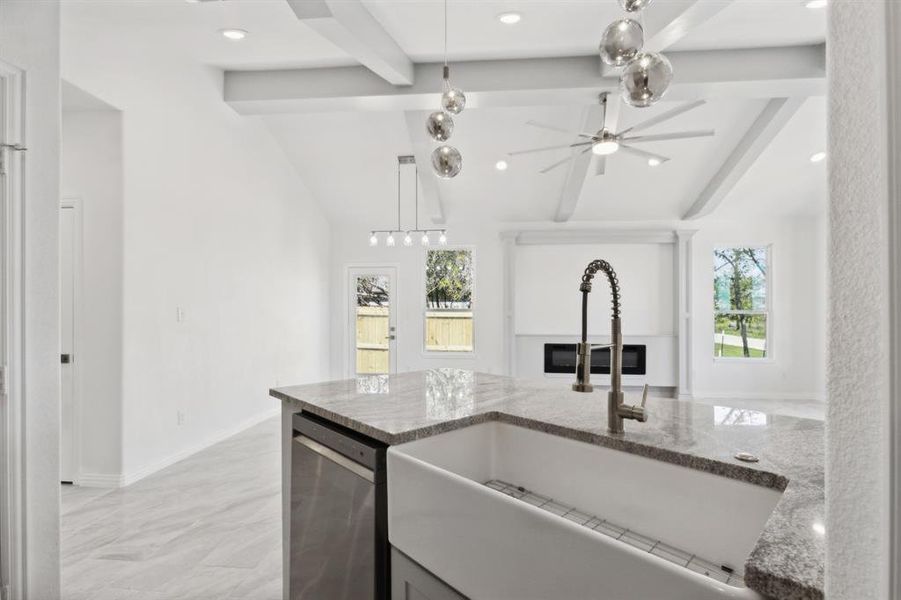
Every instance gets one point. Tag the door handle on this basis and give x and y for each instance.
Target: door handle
(65, 359)
(392, 337)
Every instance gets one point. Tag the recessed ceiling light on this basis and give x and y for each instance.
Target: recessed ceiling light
(653, 162)
(819, 528)
(233, 34)
(817, 157)
(501, 165)
(815, 3)
(509, 18)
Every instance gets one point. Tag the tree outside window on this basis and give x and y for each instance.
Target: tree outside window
(741, 302)
(448, 291)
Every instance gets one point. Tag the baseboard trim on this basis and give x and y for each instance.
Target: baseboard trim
(100, 480)
(115, 480)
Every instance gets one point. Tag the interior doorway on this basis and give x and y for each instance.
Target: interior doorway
(372, 318)
(68, 262)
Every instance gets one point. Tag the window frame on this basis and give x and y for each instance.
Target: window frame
(767, 312)
(423, 304)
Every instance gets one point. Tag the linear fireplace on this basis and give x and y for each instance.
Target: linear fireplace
(561, 358)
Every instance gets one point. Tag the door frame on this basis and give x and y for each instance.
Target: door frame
(12, 335)
(75, 204)
(350, 323)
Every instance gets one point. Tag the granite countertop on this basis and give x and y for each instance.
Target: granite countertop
(789, 558)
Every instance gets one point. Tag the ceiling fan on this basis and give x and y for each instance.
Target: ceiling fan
(606, 142)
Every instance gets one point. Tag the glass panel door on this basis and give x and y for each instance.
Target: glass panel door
(372, 321)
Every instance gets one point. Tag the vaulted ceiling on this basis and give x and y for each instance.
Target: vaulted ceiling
(755, 62)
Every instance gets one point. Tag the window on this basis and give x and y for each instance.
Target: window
(448, 301)
(740, 302)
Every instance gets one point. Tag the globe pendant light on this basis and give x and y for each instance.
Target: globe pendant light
(646, 76)
(452, 99)
(440, 126)
(645, 80)
(447, 161)
(621, 42)
(634, 5)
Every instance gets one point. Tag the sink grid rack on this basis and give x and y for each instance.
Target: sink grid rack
(720, 573)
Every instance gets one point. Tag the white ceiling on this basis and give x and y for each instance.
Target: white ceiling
(349, 160)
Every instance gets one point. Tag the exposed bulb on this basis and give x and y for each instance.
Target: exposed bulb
(408, 241)
(442, 239)
(424, 240)
(389, 241)
(373, 240)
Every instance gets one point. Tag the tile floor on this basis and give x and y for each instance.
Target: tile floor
(207, 527)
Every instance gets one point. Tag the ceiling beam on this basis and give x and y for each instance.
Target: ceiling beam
(669, 22)
(422, 151)
(350, 26)
(749, 73)
(578, 166)
(768, 124)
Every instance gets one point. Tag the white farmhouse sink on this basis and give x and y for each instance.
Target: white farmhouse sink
(491, 546)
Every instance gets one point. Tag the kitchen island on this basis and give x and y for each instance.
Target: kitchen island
(788, 559)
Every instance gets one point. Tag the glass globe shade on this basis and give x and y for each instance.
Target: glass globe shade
(389, 241)
(373, 240)
(453, 100)
(408, 241)
(621, 42)
(424, 240)
(440, 126)
(446, 161)
(645, 79)
(442, 239)
(634, 5)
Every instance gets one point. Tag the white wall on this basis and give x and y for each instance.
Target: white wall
(549, 276)
(218, 228)
(29, 39)
(350, 247)
(91, 175)
(794, 368)
(857, 421)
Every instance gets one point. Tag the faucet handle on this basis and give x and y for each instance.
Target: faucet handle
(638, 413)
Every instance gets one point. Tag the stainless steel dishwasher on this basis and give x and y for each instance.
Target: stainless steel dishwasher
(339, 514)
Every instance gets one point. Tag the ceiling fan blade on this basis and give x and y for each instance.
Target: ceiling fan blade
(642, 153)
(560, 162)
(659, 137)
(600, 165)
(664, 117)
(548, 148)
(560, 129)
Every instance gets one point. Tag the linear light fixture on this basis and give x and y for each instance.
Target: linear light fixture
(425, 239)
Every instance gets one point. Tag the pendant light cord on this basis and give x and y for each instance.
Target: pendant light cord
(445, 33)
(398, 196)
(416, 192)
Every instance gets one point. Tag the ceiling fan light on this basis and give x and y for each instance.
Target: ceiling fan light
(605, 148)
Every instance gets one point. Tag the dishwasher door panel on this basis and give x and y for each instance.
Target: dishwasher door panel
(333, 533)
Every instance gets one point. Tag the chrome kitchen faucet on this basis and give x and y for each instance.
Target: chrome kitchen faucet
(617, 410)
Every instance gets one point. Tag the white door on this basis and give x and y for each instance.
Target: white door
(67, 343)
(372, 320)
